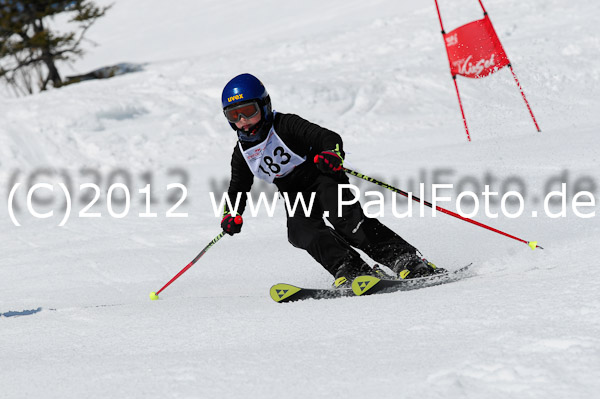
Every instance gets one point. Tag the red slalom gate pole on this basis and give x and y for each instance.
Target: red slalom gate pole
(154, 295)
(514, 76)
(462, 112)
(524, 98)
(531, 244)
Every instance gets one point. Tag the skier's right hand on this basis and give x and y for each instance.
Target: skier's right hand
(232, 224)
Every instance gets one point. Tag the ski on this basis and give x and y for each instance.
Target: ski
(290, 293)
(368, 285)
(364, 285)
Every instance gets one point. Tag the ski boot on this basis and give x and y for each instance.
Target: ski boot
(378, 272)
(349, 269)
(409, 266)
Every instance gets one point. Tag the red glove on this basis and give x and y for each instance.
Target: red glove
(329, 161)
(232, 225)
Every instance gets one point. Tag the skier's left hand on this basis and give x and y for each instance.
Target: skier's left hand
(329, 161)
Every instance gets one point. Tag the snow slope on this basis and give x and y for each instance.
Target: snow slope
(525, 326)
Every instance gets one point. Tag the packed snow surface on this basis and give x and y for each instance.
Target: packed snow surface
(76, 320)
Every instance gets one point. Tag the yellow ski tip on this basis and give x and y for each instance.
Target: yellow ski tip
(532, 244)
(280, 292)
(153, 296)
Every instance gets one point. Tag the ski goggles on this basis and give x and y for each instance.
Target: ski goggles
(247, 110)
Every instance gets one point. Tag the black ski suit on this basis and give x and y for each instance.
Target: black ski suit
(332, 248)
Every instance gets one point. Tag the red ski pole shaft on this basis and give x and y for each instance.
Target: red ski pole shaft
(213, 242)
(531, 244)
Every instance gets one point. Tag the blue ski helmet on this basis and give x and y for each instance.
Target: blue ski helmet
(246, 88)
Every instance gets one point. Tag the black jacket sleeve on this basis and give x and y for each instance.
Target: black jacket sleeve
(241, 181)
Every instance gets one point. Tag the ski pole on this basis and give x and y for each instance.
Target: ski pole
(532, 244)
(154, 295)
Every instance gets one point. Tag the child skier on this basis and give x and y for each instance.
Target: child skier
(301, 158)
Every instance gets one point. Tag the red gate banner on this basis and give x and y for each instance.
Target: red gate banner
(474, 50)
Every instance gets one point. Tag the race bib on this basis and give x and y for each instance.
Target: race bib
(271, 159)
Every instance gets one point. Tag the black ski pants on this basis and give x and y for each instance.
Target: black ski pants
(331, 247)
